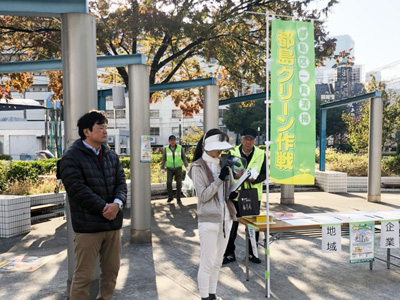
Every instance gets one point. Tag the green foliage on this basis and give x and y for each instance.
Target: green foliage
(243, 115)
(350, 163)
(156, 158)
(192, 136)
(262, 147)
(177, 38)
(358, 123)
(189, 153)
(21, 177)
(3, 178)
(127, 173)
(125, 162)
(358, 128)
(5, 157)
(391, 166)
(21, 171)
(357, 164)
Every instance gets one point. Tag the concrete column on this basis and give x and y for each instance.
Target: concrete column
(211, 107)
(287, 194)
(79, 69)
(139, 124)
(375, 150)
(6, 144)
(78, 37)
(117, 143)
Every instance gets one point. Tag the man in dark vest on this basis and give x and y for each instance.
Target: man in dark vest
(173, 158)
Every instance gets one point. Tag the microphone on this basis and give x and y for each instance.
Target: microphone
(233, 161)
(237, 164)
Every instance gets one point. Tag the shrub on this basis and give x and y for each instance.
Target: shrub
(23, 177)
(127, 172)
(125, 162)
(357, 164)
(26, 187)
(24, 171)
(3, 178)
(391, 166)
(155, 167)
(21, 171)
(5, 157)
(156, 158)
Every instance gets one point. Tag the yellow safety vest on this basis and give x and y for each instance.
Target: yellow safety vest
(256, 161)
(173, 161)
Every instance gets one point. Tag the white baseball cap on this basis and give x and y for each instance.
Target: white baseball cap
(214, 143)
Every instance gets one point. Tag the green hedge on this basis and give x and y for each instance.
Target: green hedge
(352, 164)
(12, 171)
(356, 164)
(5, 157)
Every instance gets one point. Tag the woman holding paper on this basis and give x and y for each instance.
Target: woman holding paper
(215, 210)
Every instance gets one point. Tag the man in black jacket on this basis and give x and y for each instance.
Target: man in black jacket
(95, 183)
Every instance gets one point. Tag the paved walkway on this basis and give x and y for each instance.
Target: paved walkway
(166, 269)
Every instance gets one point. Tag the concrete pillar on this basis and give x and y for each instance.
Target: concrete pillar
(117, 142)
(211, 107)
(6, 144)
(78, 37)
(375, 149)
(139, 125)
(287, 194)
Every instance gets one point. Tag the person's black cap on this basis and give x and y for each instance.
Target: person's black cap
(250, 132)
(172, 137)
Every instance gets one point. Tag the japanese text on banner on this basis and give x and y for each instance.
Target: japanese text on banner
(293, 103)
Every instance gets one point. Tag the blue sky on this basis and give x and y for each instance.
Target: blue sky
(374, 26)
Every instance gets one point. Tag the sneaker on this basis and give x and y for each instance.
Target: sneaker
(229, 258)
(179, 202)
(169, 200)
(254, 260)
(215, 298)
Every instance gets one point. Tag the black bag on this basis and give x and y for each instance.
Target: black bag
(248, 203)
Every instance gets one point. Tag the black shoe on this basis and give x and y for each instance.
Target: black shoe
(214, 297)
(179, 202)
(254, 260)
(169, 200)
(229, 258)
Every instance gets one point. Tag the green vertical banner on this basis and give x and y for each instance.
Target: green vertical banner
(293, 103)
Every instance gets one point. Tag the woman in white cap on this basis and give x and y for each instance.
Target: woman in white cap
(215, 210)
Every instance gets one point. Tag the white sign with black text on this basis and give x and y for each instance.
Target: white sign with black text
(331, 238)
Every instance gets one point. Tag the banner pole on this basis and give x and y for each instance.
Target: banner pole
(267, 143)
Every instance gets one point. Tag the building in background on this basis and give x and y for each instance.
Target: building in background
(24, 129)
(165, 119)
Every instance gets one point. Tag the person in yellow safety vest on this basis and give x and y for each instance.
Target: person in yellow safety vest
(172, 159)
(255, 158)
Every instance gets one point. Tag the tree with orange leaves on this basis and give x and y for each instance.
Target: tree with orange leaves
(181, 39)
